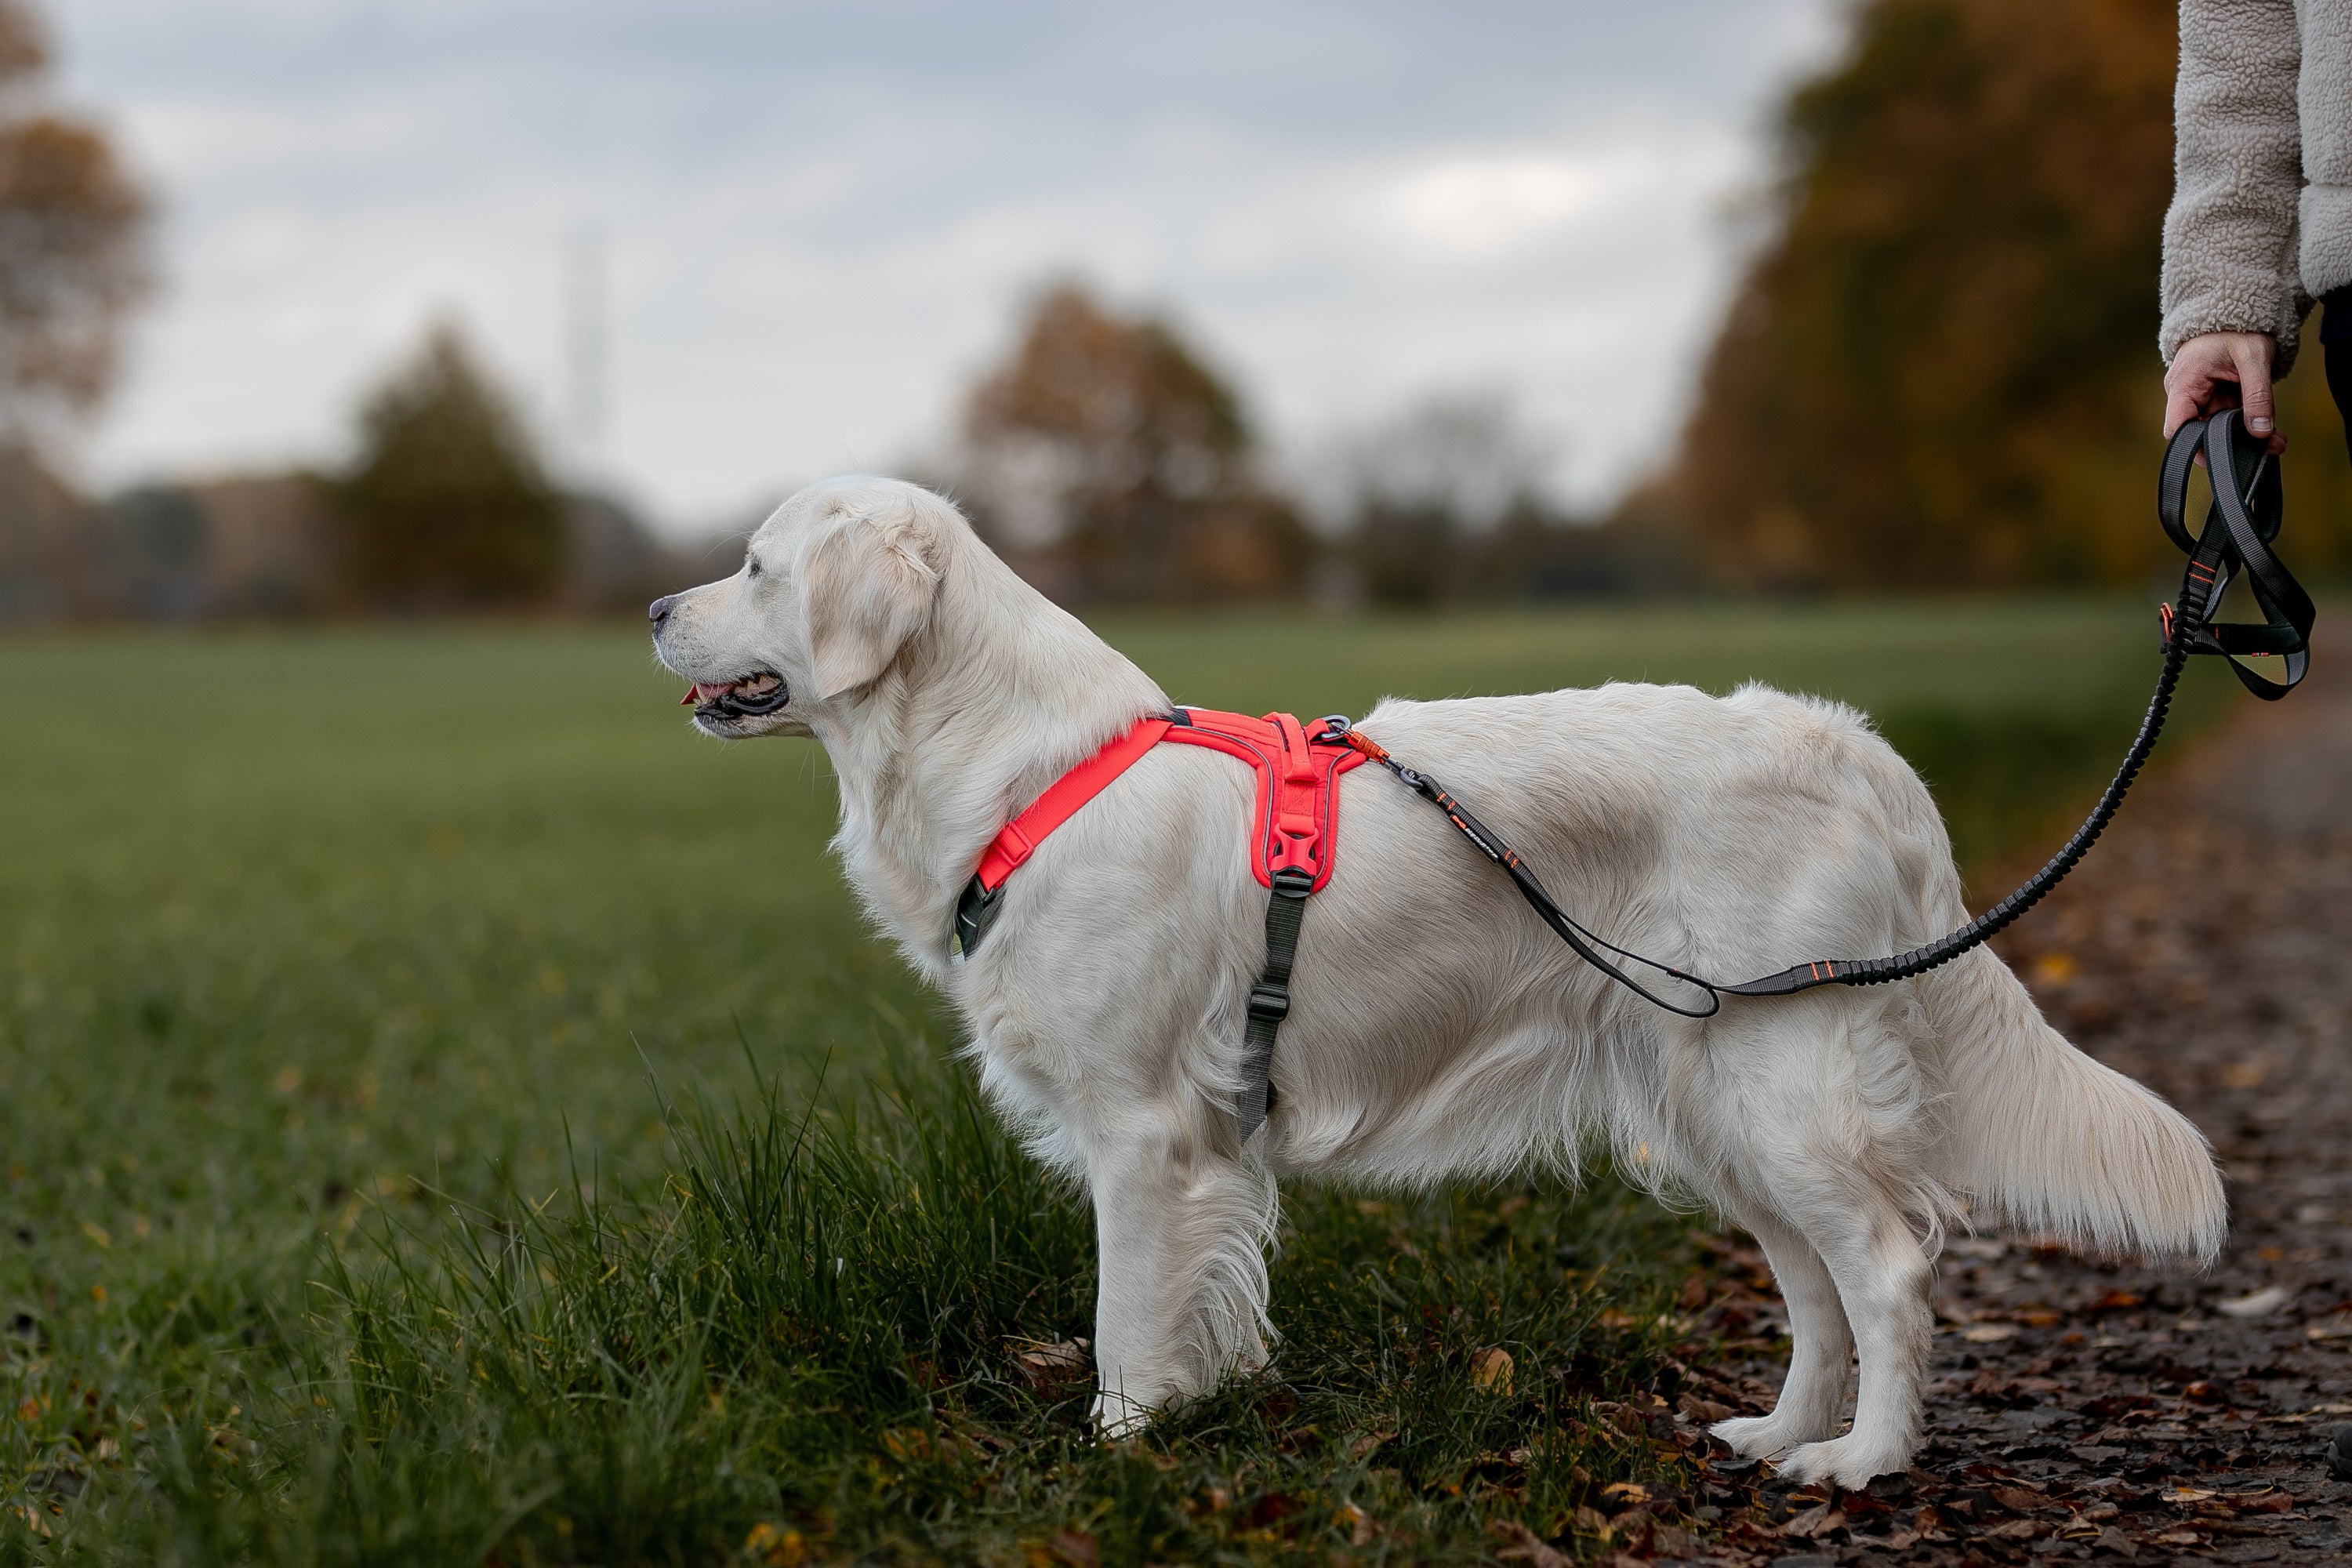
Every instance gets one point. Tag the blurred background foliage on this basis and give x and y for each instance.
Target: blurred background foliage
(1940, 371)
(1937, 373)
(448, 505)
(1117, 466)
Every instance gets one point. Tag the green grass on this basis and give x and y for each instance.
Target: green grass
(343, 1220)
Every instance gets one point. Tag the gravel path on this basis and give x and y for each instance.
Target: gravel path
(2085, 1411)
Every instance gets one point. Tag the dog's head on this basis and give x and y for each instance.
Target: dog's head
(832, 587)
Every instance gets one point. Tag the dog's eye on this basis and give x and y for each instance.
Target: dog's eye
(751, 568)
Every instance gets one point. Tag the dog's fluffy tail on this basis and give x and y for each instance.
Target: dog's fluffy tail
(2040, 1135)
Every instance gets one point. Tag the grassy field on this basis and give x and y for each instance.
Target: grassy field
(453, 1114)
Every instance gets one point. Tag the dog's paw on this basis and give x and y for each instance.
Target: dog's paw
(1840, 1460)
(1115, 1417)
(1754, 1437)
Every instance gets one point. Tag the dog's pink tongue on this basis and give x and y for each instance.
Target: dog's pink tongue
(693, 695)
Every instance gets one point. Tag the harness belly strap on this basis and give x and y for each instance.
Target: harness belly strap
(1291, 848)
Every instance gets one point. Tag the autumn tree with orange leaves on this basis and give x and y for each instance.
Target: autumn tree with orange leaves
(73, 229)
(1111, 465)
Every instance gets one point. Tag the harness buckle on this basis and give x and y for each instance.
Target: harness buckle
(1270, 1003)
(975, 912)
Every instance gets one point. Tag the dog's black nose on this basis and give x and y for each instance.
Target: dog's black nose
(658, 611)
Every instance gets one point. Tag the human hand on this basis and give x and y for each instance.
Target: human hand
(2211, 372)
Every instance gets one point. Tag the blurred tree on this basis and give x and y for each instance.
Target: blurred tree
(1428, 492)
(446, 504)
(1111, 465)
(73, 229)
(1940, 371)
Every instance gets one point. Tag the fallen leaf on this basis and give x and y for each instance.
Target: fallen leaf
(1988, 1334)
(2261, 1303)
(1052, 1367)
(1490, 1369)
(1518, 1543)
(904, 1443)
(1814, 1522)
(1076, 1547)
(773, 1546)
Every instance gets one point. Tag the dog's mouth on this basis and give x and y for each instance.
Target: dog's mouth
(752, 696)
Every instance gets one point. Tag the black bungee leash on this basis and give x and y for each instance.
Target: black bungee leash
(2244, 519)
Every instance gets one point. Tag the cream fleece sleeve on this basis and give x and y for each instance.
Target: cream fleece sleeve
(2229, 241)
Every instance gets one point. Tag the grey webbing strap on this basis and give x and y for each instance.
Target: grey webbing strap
(1270, 999)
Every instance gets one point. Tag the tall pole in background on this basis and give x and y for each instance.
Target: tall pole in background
(586, 410)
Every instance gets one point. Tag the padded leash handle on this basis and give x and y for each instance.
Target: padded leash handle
(2244, 518)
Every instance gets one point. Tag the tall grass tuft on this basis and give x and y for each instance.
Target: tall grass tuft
(852, 1327)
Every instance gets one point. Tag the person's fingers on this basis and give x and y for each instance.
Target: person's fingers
(2180, 405)
(2254, 388)
(2179, 410)
(2191, 380)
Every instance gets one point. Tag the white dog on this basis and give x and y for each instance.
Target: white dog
(1437, 1030)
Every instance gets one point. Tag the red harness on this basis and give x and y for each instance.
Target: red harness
(1291, 846)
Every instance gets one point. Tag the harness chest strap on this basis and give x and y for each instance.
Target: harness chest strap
(1290, 848)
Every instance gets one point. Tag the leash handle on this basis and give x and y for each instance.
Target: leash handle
(2246, 513)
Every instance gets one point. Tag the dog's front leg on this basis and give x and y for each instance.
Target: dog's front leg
(1181, 1232)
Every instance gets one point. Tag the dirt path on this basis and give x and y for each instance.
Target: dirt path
(2080, 1411)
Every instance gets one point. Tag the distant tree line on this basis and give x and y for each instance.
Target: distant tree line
(1937, 372)
(445, 506)
(1111, 464)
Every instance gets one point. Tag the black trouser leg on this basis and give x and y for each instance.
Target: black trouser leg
(2340, 382)
(2336, 345)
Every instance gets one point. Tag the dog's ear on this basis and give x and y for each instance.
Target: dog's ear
(867, 585)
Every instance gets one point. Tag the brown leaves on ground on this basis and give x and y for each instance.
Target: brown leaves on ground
(1055, 1368)
(1515, 1543)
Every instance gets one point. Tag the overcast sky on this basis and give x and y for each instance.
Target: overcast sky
(818, 220)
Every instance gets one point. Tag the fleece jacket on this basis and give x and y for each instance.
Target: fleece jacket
(2261, 221)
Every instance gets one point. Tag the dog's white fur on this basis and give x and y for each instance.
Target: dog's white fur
(1436, 1028)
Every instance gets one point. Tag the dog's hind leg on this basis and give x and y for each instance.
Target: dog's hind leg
(1181, 1232)
(1884, 1279)
(1813, 1397)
